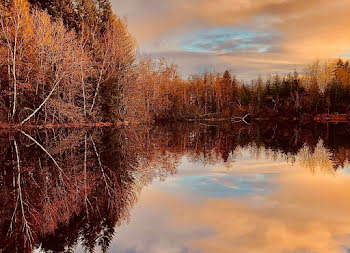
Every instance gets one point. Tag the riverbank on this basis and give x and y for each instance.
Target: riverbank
(305, 118)
(73, 125)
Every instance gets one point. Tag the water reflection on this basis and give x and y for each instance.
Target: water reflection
(63, 188)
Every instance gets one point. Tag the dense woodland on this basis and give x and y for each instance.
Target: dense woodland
(323, 88)
(75, 61)
(60, 58)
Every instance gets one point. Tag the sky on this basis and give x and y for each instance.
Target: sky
(247, 37)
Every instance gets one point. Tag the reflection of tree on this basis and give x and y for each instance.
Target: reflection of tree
(317, 159)
(62, 187)
(318, 146)
(340, 158)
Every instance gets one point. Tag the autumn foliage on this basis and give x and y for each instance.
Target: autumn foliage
(50, 73)
(321, 91)
(74, 61)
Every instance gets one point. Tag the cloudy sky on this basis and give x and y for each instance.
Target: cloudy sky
(248, 37)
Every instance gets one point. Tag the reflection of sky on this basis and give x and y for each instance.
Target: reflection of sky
(227, 185)
(244, 177)
(347, 169)
(247, 206)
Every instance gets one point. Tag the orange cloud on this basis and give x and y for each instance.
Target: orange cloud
(310, 29)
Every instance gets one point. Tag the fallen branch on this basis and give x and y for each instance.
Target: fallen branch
(44, 102)
(241, 119)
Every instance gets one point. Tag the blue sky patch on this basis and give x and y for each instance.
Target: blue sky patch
(227, 40)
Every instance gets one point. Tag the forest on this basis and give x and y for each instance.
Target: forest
(65, 62)
(60, 58)
(321, 93)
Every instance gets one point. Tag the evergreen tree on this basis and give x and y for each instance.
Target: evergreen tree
(87, 13)
(105, 10)
(94, 13)
(59, 9)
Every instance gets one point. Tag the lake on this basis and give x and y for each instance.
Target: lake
(192, 187)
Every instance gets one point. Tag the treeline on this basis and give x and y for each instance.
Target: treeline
(62, 61)
(323, 88)
(74, 61)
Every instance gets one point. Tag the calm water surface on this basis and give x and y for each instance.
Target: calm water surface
(178, 188)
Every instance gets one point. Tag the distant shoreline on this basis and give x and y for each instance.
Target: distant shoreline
(319, 118)
(305, 118)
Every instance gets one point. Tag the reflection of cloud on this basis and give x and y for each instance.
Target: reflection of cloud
(242, 177)
(222, 186)
(150, 231)
(306, 32)
(308, 213)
